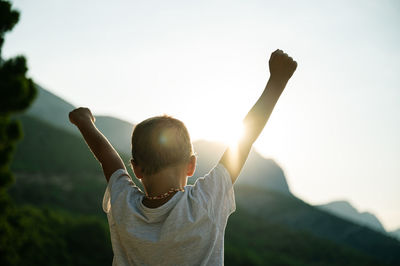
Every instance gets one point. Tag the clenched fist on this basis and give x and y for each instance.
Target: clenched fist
(281, 67)
(81, 116)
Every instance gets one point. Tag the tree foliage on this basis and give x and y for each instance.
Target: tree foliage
(16, 94)
(8, 19)
(30, 235)
(39, 236)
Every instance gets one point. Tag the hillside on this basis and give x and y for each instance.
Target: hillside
(257, 171)
(395, 234)
(54, 110)
(345, 210)
(53, 169)
(250, 240)
(48, 149)
(290, 211)
(51, 109)
(117, 131)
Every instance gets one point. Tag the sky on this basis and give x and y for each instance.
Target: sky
(335, 130)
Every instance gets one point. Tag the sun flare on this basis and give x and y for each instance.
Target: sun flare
(233, 135)
(228, 133)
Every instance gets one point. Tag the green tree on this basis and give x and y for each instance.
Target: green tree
(31, 235)
(16, 94)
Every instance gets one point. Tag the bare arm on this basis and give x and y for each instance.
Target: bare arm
(282, 68)
(97, 142)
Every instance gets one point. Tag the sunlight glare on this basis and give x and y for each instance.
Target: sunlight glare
(233, 135)
(227, 133)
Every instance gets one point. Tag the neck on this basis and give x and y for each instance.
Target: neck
(165, 180)
(156, 203)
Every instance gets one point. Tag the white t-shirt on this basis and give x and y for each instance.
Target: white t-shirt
(187, 230)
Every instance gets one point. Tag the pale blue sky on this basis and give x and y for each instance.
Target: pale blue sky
(336, 128)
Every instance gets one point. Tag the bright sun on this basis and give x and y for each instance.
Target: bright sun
(233, 134)
(228, 133)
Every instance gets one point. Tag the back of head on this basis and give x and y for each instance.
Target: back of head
(160, 142)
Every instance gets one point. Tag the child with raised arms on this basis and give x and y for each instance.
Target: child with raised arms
(170, 222)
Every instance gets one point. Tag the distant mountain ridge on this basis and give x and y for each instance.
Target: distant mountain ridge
(257, 172)
(54, 110)
(395, 234)
(296, 214)
(51, 109)
(345, 210)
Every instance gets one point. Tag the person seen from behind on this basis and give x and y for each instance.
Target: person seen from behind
(170, 222)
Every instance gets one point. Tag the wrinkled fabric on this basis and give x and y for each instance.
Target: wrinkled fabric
(187, 230)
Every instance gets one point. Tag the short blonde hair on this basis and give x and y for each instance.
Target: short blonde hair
(159, 142)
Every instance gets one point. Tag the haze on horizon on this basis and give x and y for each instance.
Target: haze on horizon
(335, 129)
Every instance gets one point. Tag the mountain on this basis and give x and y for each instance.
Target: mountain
(345, 210)
(54, 110)
(117, 131)
(250, 240)
(257, 171)
(395, 234)
(296, 214)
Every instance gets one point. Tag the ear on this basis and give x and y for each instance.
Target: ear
(137, 170)
(191, 166)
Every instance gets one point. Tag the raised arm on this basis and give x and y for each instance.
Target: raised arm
(102, 149)
(281, 68)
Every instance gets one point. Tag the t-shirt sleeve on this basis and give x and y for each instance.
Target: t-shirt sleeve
(215, 192)
(119, 182)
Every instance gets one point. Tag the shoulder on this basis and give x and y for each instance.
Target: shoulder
(120, 179)
(119, 174)
(120, 184)
(215, 192)
(214, 185)
(218, 176)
